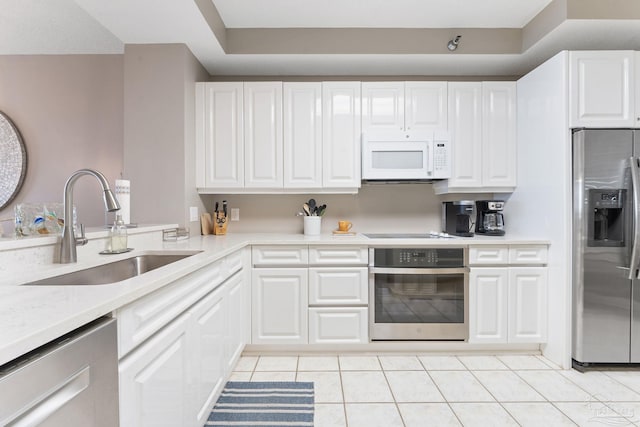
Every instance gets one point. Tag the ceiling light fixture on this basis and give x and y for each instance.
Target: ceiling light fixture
(453, 43)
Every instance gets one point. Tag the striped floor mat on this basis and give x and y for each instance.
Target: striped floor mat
(264, 404)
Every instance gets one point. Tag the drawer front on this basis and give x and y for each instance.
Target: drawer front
(488, 255)
(534, 254)
(338, 286)
(338, 255)
(263, 256)
(340, 325)
(142, 318)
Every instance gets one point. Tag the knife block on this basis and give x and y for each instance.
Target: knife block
(219, 223)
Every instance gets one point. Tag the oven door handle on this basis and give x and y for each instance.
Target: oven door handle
(457, 270)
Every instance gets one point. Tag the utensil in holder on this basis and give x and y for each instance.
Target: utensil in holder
(312, 225)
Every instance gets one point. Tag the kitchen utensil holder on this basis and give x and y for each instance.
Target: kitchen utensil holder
(220, 221)
(312, 225)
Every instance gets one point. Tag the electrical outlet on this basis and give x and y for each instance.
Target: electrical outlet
(193, 214)
(235, 214)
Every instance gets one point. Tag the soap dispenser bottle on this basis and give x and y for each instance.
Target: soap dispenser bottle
(118, 235)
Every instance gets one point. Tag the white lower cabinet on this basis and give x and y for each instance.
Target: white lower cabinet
(279, 306)
(488, 304)
(528, 300)
(508, 294)
(338, 325)
(207, 358)
(173, 377)
(508, 304)
(153, 380)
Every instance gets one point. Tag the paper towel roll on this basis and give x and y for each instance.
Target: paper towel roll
(123, 194)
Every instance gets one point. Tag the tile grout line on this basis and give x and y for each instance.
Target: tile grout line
(440, 391)
(395, 402)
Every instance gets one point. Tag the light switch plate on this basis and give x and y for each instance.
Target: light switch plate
(193, 213)
(235, 214)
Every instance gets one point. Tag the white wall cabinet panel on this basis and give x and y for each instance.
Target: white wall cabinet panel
(302, 135)
(341, 325)
(209, 326)
(527, 304)
(279, 306)
(219, 135)
(465, 131)
(498, 134)
(382, 106)
(263, 134)
(488, 305)
(602, 88)
(338, 286)
(425, 105)
(341, 129)
(153, 380)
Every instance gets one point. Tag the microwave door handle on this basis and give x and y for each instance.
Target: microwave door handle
(635, 251)
(429, 160)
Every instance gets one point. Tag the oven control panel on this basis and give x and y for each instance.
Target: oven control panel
(418, 257)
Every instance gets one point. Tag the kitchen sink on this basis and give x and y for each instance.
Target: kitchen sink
(116, 271)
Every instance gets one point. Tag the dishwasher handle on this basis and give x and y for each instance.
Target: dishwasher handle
(414, 271)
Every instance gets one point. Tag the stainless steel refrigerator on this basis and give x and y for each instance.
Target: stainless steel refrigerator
(606, 252)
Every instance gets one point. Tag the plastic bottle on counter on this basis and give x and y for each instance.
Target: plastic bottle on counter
(118, 235)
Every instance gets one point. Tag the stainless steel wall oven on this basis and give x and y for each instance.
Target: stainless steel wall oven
(419, 293)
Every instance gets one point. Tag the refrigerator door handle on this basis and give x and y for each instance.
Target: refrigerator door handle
(635, 251)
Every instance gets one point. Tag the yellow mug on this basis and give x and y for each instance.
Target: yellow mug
(344, 225)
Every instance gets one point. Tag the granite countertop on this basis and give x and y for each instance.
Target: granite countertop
(31, 316)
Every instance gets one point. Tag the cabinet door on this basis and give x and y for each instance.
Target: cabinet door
(602, 87)
(425, 105)
(279, 306)
(153, 389)
(488, 305)
(338, 286)
(207, 331)
(338, 325)
(263, 134)
(465, 131)
(238, 305)
(341, 134)
(302, 135)
(498, 134)
(382, 106)
(219, 135)
(528, 304)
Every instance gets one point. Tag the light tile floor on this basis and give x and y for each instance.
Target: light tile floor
(426, 390)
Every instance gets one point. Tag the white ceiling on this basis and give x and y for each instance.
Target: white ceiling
(378, 13)
(99, 26)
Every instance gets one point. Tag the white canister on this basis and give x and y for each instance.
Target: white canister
(312, 225)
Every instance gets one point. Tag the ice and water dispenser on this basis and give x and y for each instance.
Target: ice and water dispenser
(606, 218)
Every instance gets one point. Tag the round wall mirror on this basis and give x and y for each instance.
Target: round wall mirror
(13, 161)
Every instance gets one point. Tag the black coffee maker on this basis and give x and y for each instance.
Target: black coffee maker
(489, 218)
(457, 218)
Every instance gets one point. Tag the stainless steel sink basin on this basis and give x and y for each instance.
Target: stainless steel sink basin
(116, 271)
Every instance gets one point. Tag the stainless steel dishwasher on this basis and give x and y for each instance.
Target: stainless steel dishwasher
(71, 381)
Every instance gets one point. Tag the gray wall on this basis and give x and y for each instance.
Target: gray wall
(159, 146)
(68, 109)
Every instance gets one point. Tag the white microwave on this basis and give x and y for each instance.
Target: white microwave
(398, 156)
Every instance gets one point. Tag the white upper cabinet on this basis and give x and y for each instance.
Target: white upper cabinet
(263, 134)
(382, 106)
(482, 128)
(602, 89)
(425, 105)
(302, 135)
(498, 134)
(219, 135)
(341, 128)
(404, 106)
(465, 131)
